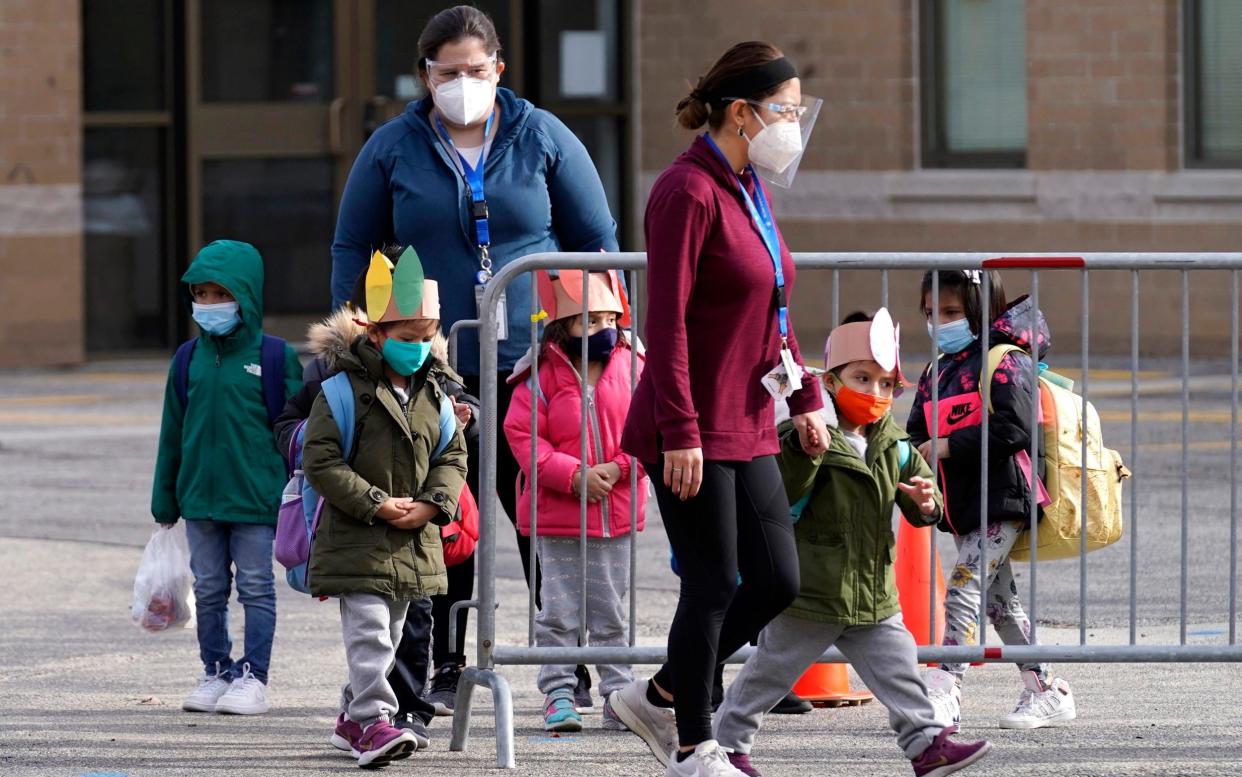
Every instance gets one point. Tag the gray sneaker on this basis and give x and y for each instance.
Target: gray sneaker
(443, 693)
(657, 726)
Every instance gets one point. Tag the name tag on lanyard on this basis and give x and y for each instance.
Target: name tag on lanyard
(479, 215)
(785, 377)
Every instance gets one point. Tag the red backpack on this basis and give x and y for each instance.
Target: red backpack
(461, 536)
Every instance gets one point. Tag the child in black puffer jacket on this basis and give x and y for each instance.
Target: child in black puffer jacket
(1013, 482)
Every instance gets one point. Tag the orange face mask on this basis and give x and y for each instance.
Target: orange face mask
(859, 408)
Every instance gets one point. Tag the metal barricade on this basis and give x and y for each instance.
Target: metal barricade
(490, 654)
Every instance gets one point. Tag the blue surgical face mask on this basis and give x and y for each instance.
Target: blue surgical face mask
(405, 358)
(219, 319)
(601, 344)
(954, 336)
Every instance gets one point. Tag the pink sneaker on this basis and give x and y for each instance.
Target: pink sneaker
(346, 735)
(741, 762)
(946, 756)
(382, 743)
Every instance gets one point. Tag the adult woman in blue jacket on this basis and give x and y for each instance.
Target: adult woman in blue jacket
(467, 149)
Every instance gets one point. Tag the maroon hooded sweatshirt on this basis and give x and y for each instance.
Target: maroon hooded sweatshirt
(712, 332)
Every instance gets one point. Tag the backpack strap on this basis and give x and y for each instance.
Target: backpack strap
(796, 509)
(181, 371)
(272, 369)
(903, 453)
(448, 426)
(339, 393)
(995, 355)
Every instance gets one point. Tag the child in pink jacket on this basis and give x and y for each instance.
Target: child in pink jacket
(560, 481)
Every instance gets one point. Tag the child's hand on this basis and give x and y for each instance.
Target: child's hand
(812, 433)
(922, 492)
(418, 516)
(394, 509)
(463, 412)
(610, 472)
(942, 450)
(597, 486)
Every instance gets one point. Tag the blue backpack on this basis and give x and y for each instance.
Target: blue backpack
(271, 364)
(301, 506)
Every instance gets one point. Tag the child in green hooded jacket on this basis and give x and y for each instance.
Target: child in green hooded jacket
(218, 467)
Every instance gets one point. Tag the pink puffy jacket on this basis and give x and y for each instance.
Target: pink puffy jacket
(559, 445)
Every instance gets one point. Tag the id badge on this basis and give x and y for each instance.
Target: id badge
(785, 378)
(502, 311)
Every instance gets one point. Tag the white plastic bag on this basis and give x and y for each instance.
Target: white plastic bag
(164, 585)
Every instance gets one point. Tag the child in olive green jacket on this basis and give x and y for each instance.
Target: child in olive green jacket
(843, 504)
(377, 545)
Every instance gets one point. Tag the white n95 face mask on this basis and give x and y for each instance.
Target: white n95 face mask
(464, 100)
(776, 146)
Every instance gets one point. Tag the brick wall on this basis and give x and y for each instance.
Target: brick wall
(1102, 84)
(41, 271)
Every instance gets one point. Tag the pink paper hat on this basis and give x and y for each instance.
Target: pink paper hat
(877, 340)
(561, 296)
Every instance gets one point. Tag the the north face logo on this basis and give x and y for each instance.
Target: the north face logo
(254, 369)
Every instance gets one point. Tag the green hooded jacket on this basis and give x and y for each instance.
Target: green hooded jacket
(354, 551)
(845, 537)
(217, 459)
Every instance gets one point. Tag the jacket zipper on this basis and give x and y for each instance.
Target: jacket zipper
(593, 423)
(215, 392)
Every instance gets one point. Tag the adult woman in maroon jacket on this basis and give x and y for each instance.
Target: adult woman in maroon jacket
(720, 349)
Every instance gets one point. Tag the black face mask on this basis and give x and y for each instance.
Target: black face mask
(601, 344)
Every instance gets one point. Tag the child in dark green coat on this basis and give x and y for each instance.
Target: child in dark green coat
(218, 468)
(843, 504)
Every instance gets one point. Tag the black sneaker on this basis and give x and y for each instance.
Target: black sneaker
(583, 703)
(416, 726)
(444, 689)
(792, 704)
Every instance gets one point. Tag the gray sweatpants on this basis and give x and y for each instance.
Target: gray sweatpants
(371, 626)
(965, 590)
(883, 654)
(559, 621)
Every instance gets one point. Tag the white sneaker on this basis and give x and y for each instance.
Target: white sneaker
(708, 760)
(945, 697)
(656, 725)
(246, 696)
(1041, 705)
(204, 697)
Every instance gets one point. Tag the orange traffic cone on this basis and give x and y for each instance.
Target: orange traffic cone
(915, 575)
(828, 685)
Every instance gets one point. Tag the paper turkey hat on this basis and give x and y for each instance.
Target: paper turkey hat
(561, 294)
(877, 340)
(402, 294)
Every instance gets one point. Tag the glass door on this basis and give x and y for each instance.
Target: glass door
(272, 129)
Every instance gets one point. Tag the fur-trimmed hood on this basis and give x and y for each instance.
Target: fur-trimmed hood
(332, 338)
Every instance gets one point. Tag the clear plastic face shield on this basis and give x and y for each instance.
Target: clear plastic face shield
(772, 152)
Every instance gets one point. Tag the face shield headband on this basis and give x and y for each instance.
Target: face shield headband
(758, 81)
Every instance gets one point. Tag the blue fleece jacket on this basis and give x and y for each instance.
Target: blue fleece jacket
(543, 194)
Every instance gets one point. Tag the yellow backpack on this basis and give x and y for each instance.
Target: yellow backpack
(1060, 531)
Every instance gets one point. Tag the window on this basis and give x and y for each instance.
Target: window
(1213, 83)
(973, 74)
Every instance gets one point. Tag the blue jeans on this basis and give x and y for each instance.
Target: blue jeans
(216, 547)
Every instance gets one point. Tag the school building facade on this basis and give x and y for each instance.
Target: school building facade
(132, 132)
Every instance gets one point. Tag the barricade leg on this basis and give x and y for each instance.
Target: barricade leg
(502, 699)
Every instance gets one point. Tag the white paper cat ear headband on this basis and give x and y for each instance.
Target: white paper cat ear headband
(877, 340)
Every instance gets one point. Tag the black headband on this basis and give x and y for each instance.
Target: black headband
(754, 81)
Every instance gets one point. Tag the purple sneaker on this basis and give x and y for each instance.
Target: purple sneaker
(346, 734)
(382, 743)
(741, 762)
(946, 756)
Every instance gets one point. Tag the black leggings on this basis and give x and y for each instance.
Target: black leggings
(739, 522)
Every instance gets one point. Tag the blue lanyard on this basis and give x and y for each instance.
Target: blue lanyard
(761, 217)
(474, 179)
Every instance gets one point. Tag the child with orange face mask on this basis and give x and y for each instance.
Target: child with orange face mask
(842, 507)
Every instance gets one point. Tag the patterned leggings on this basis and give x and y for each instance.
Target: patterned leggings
(1004, 608)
